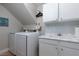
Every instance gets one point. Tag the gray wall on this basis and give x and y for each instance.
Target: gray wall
(67, 27)
(14, 26)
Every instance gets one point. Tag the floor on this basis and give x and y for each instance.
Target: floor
(8, 53)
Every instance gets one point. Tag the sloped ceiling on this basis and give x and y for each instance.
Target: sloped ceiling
(39, 4)
(20, 12)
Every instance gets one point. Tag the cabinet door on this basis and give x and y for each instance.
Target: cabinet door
(69, 11)
(21, 45)
(69, 52)
(47, 49)
(12, 43)
(50, 12)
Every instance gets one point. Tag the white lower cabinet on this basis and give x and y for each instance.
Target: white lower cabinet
(69, 52)
(48, 49)
(12, 43)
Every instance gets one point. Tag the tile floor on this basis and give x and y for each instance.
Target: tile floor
(8, 53)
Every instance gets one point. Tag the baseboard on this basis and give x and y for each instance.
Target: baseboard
(14, 53)
(4, 50)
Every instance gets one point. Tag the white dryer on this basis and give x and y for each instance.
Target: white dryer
(26, 43)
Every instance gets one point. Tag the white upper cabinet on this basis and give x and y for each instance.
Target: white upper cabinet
(69, 11)
(50, 12)
(60, 12)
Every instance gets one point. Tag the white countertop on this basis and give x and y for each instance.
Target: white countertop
(68, 38)
(26, 33)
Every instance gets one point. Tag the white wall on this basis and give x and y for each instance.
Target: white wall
(14, 26)
(62, 27)
(32, 8)
(40, 19)
(29, 27)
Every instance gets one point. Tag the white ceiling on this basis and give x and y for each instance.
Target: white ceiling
(20, 12)
(38, 4)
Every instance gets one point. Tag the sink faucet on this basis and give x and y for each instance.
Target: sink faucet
(59, 34)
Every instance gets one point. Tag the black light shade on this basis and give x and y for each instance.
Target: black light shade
(39, 14)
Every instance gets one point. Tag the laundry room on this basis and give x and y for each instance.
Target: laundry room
(39, 29)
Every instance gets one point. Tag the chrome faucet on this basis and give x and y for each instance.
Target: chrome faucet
(59, 34)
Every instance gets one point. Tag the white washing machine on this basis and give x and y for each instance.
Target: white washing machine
(26, 43)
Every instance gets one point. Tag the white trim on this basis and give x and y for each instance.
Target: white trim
(4, 50)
